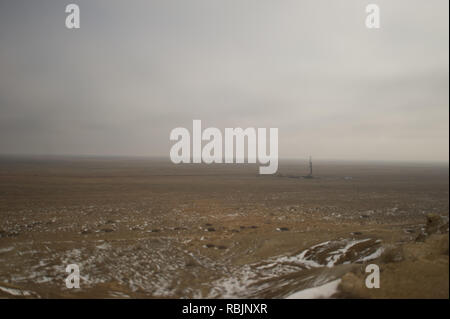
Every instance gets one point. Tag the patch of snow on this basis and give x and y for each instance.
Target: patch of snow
(336, 255)
(104, 246)
(300, 260)
(6, 249)
(15, 292)
(324, 291)
(374, 255)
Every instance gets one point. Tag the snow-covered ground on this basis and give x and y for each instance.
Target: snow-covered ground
(323, 291)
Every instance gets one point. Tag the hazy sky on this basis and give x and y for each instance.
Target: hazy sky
(137, 69)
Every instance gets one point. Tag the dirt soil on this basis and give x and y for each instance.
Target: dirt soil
(146, 228)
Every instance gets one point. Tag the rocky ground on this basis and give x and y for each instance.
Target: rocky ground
(145, 229)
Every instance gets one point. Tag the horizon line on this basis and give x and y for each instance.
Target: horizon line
(306, 158)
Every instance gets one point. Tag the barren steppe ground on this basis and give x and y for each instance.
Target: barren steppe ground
(146, 228)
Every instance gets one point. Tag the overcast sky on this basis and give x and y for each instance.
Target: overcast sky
(137, 69)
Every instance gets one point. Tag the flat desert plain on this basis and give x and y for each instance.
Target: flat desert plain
(147, 228)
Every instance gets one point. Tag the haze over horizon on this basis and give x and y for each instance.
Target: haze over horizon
(136, 70)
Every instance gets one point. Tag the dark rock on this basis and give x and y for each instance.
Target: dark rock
(434, 221)
(435, 224)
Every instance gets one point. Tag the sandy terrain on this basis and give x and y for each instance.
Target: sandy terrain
(151, 229)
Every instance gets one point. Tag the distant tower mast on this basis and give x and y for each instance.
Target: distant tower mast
(310, 166)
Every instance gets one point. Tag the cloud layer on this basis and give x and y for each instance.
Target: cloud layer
(137, 69)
